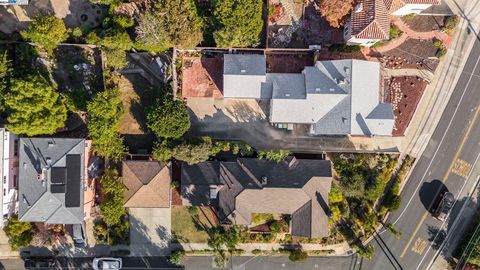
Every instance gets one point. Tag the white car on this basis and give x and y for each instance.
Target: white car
(107, 263)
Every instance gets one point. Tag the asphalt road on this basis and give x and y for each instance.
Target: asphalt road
(445, 165)
(206, 263)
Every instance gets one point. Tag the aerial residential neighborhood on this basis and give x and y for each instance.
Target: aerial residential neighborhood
(239, 134)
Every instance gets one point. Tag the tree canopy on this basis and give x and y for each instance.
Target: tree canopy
(172, 23)
(334, 11)
(47, 31)
(104, 113)
(168, 118)
(34, 107)
(240, 23)
(111, 208)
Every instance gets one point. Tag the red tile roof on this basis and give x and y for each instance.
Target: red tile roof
(371, 21)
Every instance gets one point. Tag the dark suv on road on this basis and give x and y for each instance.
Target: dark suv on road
(444, 205)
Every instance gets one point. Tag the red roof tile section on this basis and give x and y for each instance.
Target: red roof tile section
(370, 20)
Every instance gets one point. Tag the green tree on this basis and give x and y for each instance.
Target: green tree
(46, 31)
(177, 257)
(353, 186)
(297, 255)
(366, 252)
(195, 152)
(34, 107)
(104, 113)
(172, 23)
(274, 155)
(162, 151)
(111, 208)
(114, 41)
(19, 233)
(240, 23)
(168, 118)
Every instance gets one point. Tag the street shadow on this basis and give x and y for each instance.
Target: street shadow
(429, 192)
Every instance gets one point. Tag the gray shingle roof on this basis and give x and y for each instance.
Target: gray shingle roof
(290, 185)
(287, 85)
(244, 64)
(36, 201)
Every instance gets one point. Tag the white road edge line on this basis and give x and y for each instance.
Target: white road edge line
(440, 143)
(457, 218)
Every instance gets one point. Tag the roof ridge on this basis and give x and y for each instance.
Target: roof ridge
(70, 149)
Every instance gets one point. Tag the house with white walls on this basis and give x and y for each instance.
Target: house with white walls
(369, 21)
(8, 174)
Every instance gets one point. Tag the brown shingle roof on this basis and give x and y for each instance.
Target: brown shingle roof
(372, 21)
(147, 184)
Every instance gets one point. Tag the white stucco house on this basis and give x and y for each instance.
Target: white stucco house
(9, 174)
(369, 21)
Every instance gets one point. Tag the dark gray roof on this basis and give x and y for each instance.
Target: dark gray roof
(244, 64)
(251, 185)
(42, 156)
(382, 111)
(336, 121)
(302, 220)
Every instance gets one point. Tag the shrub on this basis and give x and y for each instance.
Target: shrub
(297, 255)
(451, 23)
(335, 195)
(193, 210)
(274, 155)
(366, 252)
(260, 218)
(344, 48)
(177, 257)
(19, 233)
(111, 208)
(47, 31)
(395, 32)
(275, 227)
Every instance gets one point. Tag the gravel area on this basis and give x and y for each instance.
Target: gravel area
(425, 23)
(413, 53)
(404, 93)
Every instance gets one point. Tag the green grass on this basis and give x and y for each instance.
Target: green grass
(190, 228)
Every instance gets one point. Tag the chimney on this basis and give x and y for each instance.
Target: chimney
(292, 162)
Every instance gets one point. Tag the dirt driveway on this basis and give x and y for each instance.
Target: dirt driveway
(16, 18)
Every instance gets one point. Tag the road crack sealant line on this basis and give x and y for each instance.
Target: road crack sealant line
(457, 218)
(438, 146)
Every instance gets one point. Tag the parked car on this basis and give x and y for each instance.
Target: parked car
(39, 263)
(444, 205)
(78, 235)
(107, 263)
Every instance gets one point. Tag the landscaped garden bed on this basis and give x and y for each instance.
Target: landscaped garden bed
(404, 93)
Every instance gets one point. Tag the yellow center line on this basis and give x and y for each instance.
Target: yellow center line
(444, 180)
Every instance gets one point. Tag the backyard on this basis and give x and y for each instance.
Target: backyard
(191, 224)
(284, 62)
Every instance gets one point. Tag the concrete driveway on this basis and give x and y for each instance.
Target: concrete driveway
(247, 120)
(150, 231)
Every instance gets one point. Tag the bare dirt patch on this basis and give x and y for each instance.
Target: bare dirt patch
(425, 23)
(202, 77)
(413, 53)
(288, 62)
(404, 93)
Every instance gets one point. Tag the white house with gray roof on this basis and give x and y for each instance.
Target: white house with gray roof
(51, 176)
(337, 97)
(8, 174)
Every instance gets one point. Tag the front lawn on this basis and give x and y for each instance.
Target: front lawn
(191, 226)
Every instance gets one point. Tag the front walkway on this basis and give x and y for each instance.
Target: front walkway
(5, 251)
(410, 33)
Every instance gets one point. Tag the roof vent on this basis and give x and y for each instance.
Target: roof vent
(359, 7)
(331, 89)
(317, 89)
(264, 181)
(287, 95)
(347, 70)
(49, 161)
(243, 71)
(50, 144)
(25, 165)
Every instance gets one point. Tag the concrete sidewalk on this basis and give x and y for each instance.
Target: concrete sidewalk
(438, 92)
